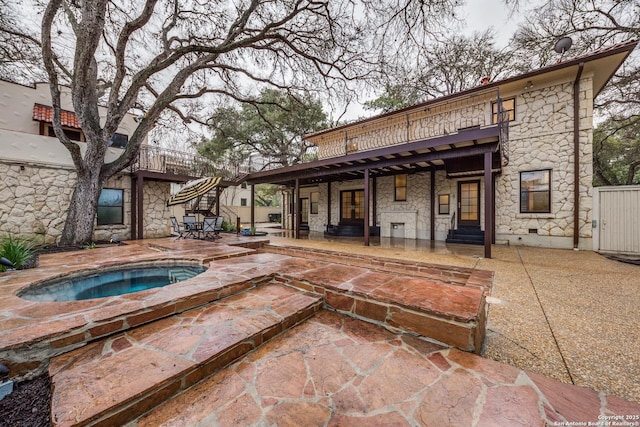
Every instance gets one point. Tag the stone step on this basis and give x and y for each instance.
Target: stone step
(336, 371)
(115, 380)
(453, 313)
(469, 235)
(466, 241)
(32, 332)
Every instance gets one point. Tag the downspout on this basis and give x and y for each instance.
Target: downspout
(576, 157)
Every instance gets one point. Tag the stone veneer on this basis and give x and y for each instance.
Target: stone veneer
(541, 137)
(34, 201)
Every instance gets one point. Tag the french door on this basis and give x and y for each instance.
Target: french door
(469, 203)
(351, 206)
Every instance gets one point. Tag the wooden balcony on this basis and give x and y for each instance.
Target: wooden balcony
(161, 161)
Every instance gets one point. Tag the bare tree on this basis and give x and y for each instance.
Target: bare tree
(448, 65)
(158, 55)
(593, 25)
(19, 52)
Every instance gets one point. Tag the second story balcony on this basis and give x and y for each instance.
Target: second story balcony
(446, 116)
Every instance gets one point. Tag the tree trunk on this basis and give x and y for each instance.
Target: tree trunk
(632, 171)
(78, 228)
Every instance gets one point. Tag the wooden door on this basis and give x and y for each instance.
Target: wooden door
(469, 203)
(352, 206)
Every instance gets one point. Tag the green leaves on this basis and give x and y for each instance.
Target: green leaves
(17, 251)
(616, 152)
(271, 126)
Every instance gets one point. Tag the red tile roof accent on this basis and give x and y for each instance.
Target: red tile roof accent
(44, 113)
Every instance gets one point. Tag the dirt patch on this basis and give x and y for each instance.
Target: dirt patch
(29, 405)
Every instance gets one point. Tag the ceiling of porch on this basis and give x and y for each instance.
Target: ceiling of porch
(458, 152)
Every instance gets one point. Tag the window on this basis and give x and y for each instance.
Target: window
(111, 206)
(401, 188)
(443, 204)
(508, 108)
(243, 202)
(118, 140)
(313, 200)
(72, 134)
(535, 191)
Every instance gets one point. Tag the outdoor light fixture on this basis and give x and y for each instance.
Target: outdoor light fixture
(529, 85)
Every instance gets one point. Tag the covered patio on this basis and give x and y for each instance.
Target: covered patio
(470, 151)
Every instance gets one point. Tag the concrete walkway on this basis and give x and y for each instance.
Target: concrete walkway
(568, 315)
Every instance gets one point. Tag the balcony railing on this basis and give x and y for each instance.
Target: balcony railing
(163, 160)
(433, 120)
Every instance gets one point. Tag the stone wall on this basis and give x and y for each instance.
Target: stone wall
(542, 138)
(157, 222)
(34, 201)
(413, 214)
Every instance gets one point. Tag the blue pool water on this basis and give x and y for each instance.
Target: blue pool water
(110, 283)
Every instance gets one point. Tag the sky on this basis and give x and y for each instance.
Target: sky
(482, 14)
(479, 16)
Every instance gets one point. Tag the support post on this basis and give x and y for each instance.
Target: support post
(253, 206)
(218, 193)
(432, 218)
(140, 198)
(328, 203)
(493, 208)
(374, 200)
(367, 197)
(296, 205)
(134, 207)
(488, 204)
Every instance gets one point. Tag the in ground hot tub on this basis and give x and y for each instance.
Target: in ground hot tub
(110, 282)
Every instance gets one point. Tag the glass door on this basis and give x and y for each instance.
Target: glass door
(352, 206)
(304, 211)
(469, 203)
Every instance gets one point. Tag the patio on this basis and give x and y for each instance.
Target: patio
(551, 311)
(333, 366)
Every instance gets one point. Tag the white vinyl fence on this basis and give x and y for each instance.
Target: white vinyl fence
(616, 213)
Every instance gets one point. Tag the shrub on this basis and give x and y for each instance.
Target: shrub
(227, 226)
(18, 251)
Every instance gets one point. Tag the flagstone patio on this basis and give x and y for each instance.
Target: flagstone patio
(337, 371)
(383, 350)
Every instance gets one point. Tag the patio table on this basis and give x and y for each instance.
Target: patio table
(194, 227)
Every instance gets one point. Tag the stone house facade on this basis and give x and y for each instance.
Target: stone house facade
(510, 158)
(38, 174)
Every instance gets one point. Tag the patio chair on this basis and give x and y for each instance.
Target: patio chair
(190, 226)
(217, 228)
(208, 227)
(177, 229)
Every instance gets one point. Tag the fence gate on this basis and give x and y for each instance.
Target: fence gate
(617, 215)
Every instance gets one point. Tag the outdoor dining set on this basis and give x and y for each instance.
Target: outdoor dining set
(208, 228)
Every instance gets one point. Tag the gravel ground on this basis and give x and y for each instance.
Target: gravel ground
(29, 405)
